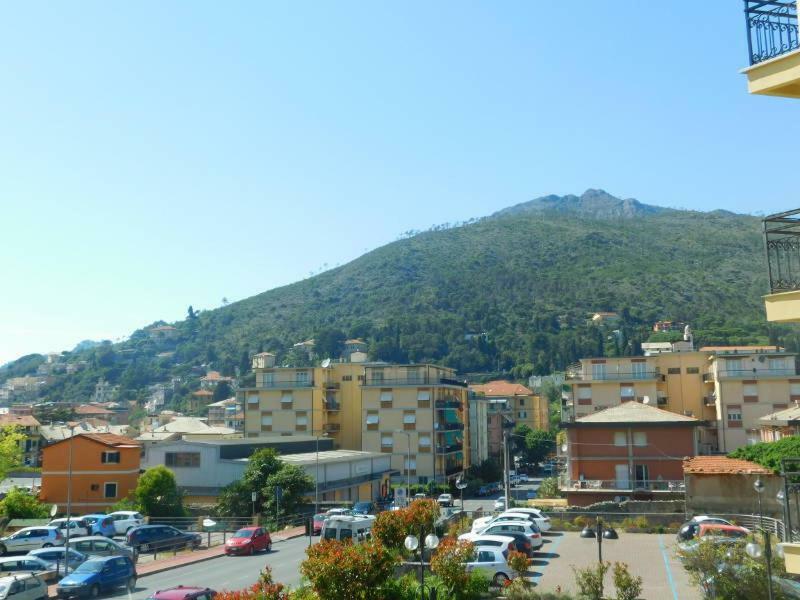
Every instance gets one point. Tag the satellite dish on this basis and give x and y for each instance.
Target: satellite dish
(54, 510)
(208, 523)
(326, 363)
(460, 484)
(646, 400)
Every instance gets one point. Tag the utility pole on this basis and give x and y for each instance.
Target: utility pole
(506, 483)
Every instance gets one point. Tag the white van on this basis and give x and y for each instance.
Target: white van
(346, 527)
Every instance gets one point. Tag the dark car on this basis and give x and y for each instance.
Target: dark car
(183, 593)
(98, 575)
(248, 540)
(147, 538)
(363, 508)
(521, 541)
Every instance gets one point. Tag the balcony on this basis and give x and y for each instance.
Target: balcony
(782, 241)
(331, 427)
(332, 405)
(448, 404)
(772, 44)
(449, 448)
(617, 375)
(756, 373)
(709, 401)
(414, 381)
(442, 427)
(331, 385)
(286, 384)
(612, 485)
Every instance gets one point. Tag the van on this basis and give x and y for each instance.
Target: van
(346, 527)
(25, 586)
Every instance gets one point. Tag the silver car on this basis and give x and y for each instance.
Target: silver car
(55, 557)
(100, 545)
(31, 538)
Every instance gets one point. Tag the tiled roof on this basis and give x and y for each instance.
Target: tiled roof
(88, 409)
(501, 388)
(781, 417)
(741, 349)
(710, 465)
(355, 341)
(214, 376)
(202, 393)
(21, 420)
(110, 439)
(635, 412)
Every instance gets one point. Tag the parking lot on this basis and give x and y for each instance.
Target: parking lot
(651, 556)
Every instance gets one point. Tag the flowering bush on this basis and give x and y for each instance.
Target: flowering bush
(263, 589)
(449, 562)
(354, 571)
(391, 527)
(518, 561)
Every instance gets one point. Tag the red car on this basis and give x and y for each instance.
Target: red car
(248, 540)
(183, 593)
(317, 523)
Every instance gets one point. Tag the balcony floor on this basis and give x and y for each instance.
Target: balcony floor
(779, 76)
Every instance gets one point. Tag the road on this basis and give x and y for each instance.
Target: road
(487, 503)
(228, 572)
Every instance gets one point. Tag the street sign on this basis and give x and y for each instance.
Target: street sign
(253, 496)
(400, 496)
(278, 493)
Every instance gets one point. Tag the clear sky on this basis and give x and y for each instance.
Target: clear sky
(155, 155)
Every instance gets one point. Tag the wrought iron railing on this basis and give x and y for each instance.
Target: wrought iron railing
(782, 241)
(771, 28)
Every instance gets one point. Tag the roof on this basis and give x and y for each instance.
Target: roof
(107, 439)
(634, 413)
(501, 388)
(202, 393)
(226, 402)
(214, 376)
(54, 433)
(722, 465)
(355, 341)
(742, 349)
(157, 436)
(21, 420)
(783, 417)
(328, 456)
(90, 409)
(264, 354)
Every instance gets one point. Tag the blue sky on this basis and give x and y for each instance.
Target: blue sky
(157, 155)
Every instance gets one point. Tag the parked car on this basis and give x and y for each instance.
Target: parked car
(125, 520)
(100, 545)
(161, 537)
(514, 514)
(526, 528)
(445, 499)
(77, 526)
(183, 593)
(27, 564)
(500, 504)
(338, 511)
(523, 543)
(56, 557)
(485, 490)
(491, 561)
(101, 524)
(248, 540)
(419, 496)
(31, 538)
(25, 586)
(689, 530)
(505, 543)
(316, 523)
(363, 508)
(98, 575)
(720, 534)
(541, 519)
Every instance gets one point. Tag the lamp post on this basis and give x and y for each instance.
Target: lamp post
(316, 487)
(412, 544)
(752, 548)
(600, 532)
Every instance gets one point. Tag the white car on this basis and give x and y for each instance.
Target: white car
(24, 586)
(527, 527)
(491, 561)
(77, 526)
(31, 538)
(500, 504)
(445, 500)
(542, 520)
(515, 514)
(708, 519)
(501, 542)
(125, 520)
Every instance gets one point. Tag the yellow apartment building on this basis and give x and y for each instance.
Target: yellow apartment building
(374, 407)
(523, 406)
(730, 388)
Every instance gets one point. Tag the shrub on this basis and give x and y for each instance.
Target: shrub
(628, 586)
(356, 571)
(264, 589)
(389, 529)
(519, 591)
(518, 561)
(449, 564)
(459, 526)
(548, 488)
(590, 580)
(580, 521)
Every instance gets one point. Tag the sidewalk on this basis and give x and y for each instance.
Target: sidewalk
(194, 556)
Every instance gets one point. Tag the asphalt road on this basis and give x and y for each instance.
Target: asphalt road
(228, 572)
(487, 503)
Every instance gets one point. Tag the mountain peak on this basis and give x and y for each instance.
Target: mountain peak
(595, 203)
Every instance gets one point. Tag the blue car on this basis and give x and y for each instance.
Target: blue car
(98, 575)
(101, 524)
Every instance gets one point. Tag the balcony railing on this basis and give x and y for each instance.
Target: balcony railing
(421, 380)
(616, 375)
(755, 373)
(655, 485)
(449, 448)
(782, 240)
(329, 405)
(771, 28)
(448, 404)
(440, 427)
(287, 384)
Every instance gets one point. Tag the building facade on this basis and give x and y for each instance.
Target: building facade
(628, 451)
(29, 427)
(524, 407)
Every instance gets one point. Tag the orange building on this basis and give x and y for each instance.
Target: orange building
(105, 469)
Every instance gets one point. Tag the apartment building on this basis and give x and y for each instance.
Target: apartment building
(417, 413)
(780, 424)
(28, 426)
(729, 387)
(524, 406)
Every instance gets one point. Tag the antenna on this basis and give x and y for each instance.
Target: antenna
(326, 363)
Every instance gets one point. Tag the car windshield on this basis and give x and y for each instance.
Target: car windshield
(243, 533)
(91, 566)
(319, 517)
(90, 520)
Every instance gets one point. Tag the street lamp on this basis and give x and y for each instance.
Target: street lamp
(600, 532)
(753, 549)
(412, 544)
(316, 487)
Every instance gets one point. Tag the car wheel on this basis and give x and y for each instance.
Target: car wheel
(48, 545)
(500, 579)
(268, 548)
(94, 591)
(131, 585)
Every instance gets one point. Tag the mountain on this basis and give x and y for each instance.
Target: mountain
(527, 277)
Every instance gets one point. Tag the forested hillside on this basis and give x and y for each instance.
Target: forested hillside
(526, 277)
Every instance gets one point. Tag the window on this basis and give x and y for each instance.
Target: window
(485, 556)
(301, 377)
(620, 438)
(376, 375)
(674, 371)
(286, 398)
(411, 464)
(409, 418)
(301, 419)
(777, 365)
(794, 388)
(266, 419)
(373, 419)
(733, 364)
(108, 458)
(599, 371)
(252, 399)
(386, 396)
(584, 395)
(750, 389)
(626, 391)
(522, 401)
(181, 459)
(387, 440)
(638, 369)
(734, 415)
(424, 440)
(692, 370)
(522, 414)
(110, 490)
(423, 396)
(412, 374)
(640, 438)
(267, 379)
(347, 378)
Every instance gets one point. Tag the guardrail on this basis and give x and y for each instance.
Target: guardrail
(771, 28)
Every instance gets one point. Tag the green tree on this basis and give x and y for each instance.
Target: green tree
(294, 483)
(21, 504)
(223, 391)
(329, 342)
(11, 440)
(538, 444)
(157, 494)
